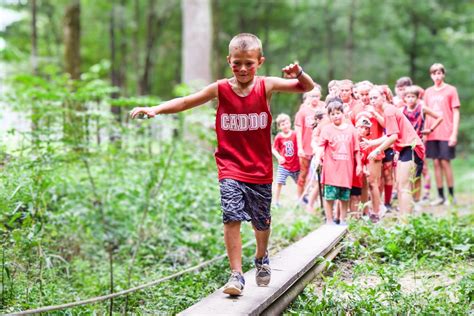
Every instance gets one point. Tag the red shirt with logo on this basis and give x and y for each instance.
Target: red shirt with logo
(243, 127)
(287, 147)
(340, 146)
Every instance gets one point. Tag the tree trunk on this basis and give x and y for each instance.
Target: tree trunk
(350, 40)
(34, 37)
(114, 73)
(218, 64)
(413, 47)
(197, 42)
(72, 36)
(136, 42)
(150, 40)
(73, 123)
(329, 38)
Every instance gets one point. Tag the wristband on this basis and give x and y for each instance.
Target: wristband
(300, 73)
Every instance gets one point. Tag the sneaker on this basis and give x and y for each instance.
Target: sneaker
(235, 285)
(337, 221)
(388, 207)
(343, 223)
(438, 201)
(374, 218)
(394, 196)
(417, 207)
(277, 205)
(305, 200)
(263, 272)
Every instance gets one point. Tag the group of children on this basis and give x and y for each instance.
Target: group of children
(358, 135)
(350, 122)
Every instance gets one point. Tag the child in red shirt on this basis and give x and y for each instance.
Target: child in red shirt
(339, 145)
(401, 134)
(443, 99)
(304, 121)
(285, 150)
(243, 155)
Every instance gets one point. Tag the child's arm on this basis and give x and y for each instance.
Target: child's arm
(280, 158)
(387, 142)
(433, 114)
(179, 104)
(319, 152)
(302, 82)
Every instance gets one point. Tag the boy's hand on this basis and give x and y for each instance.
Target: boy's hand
(142, 111)
(358, 170)
(301, 153)
(292, 71)
(281, 160)
(365, 143)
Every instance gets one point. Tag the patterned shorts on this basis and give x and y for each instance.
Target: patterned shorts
(282, 174)
(332, 193)
(241, 201)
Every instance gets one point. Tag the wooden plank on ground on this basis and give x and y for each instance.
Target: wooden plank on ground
(287, 267)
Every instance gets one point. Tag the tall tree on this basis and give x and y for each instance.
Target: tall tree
(72, 39)
(34, 37)
(197, 41)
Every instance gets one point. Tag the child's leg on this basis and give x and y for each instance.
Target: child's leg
(427, 181)
(277, 193)
(388, 182)
(364, 197)
(405, 174)
(261, 237)
(448, 173)
(304, 170)
(313, 195)
(344, 206)
(375, 170)
(233, 244)
(328, 207)
(417, 189)
(438, 177)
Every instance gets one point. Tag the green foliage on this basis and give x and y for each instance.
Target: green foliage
(370, 275)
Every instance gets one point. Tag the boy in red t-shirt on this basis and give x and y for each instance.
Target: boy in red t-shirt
(339, 145)
(243, 155)
(285, 150)
(443, 99)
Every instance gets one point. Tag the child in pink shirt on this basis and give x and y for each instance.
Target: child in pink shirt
(304, 121)
(339, 145)
(443, 99)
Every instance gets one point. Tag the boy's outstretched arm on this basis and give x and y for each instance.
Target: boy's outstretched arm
(179, 104)
(300, 82)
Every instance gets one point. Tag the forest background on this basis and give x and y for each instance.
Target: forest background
(92, 203)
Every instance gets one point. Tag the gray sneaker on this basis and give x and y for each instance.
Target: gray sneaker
(235, 285)
(263, 272)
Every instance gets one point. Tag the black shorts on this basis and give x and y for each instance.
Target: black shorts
(389, 154)
(242, 201)
(355, 191)
(407, 154)
(439, 149)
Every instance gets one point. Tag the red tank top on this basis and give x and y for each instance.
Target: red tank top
(243, 126)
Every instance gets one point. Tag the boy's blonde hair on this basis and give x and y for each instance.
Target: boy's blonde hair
(415, 90)
(245, 42)
(436, 67)
(346, 82)
(281, 118)
(316, 87)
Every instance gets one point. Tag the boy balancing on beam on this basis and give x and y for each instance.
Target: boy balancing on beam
(244, 153)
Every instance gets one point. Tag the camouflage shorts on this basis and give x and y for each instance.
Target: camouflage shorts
(241, 201)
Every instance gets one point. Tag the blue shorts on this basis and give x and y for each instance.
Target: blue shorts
(242, 201)
(282, 174)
